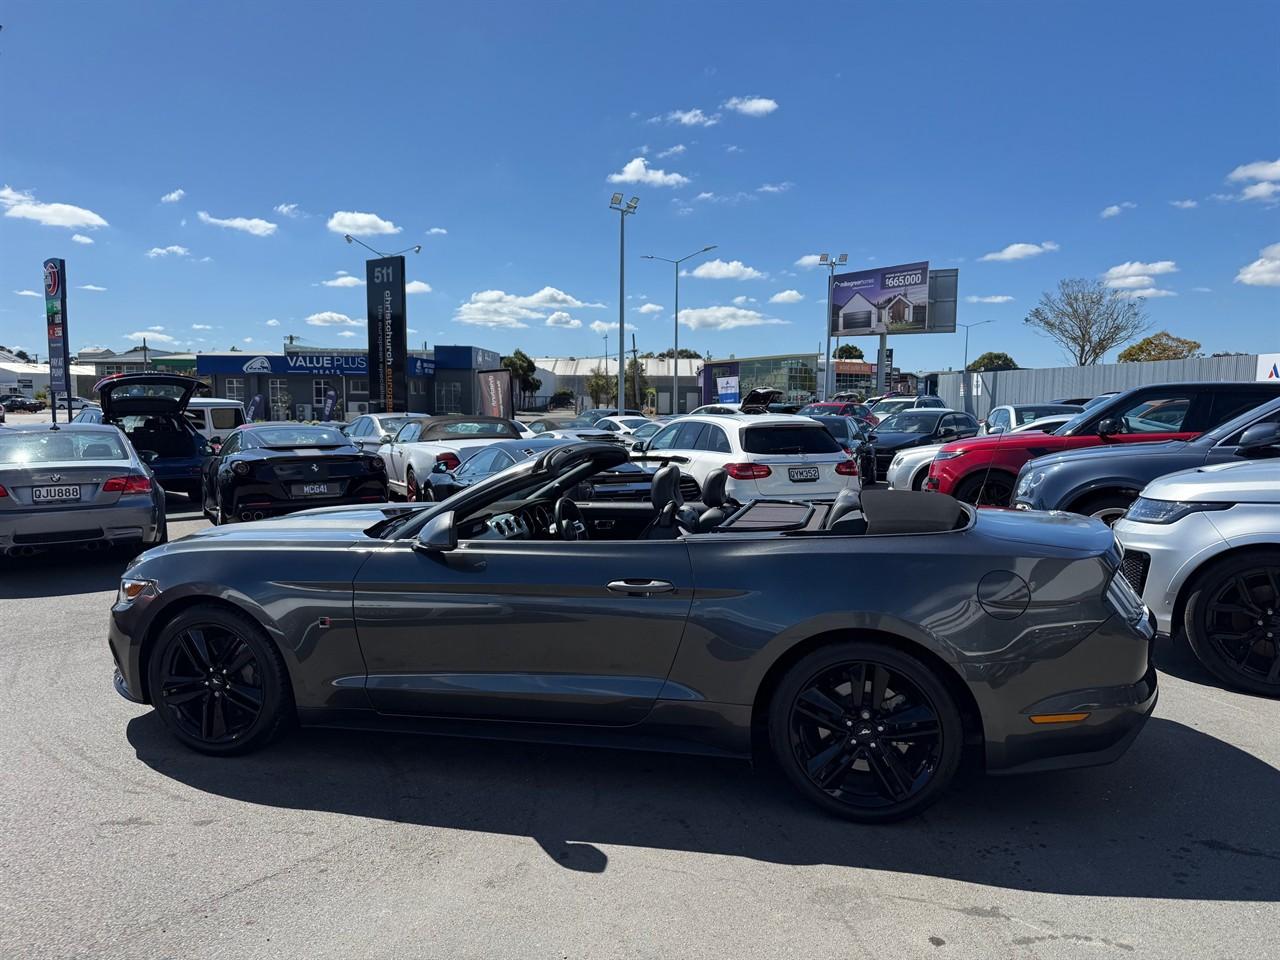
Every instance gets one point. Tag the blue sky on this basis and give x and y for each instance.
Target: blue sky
(210, 152)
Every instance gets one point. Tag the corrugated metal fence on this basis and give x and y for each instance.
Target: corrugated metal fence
(1039, 386)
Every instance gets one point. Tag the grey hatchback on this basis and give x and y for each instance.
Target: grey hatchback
(80, 484)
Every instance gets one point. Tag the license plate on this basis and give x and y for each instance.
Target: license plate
(51, 494)
(802, 474)
(314, 489)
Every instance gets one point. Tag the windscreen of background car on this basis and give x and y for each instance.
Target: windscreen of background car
(1027, 414)
(781, 439)
(838, 426)
(41, 448)
(634, 423)
(301, 436)
(471, 428)
(920, 422)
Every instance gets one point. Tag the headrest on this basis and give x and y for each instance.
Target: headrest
(666, 487)
(713, 491)
(847, 501)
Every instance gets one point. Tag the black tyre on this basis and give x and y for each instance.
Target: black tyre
(218, 682)
(1232, 620)
(1107, 507)
(411, 491)
(221, 516)
(865, 731)
(988, 489)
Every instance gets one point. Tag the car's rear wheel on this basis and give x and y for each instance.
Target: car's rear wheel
(1232, 621)
(865, 731)
(986, 488)
(218, 682)
(412, 492)
(1107, 507)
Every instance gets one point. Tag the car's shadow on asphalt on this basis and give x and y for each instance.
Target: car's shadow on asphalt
(1183, 815)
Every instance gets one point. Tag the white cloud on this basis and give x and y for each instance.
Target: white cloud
(253, 225)
(675, 151)
(562, 319)
(724, 270)
(328, 318)
(1146, 293)
(1202, 289)
(273, 323)
(206, 259)
(751, 106)
(1020, 251)
(287, 210)
(1258, 170)
(1184, 204)
(639, 171)
(81, 238)
(360, 224)
(787, 296)
(1263, 272)
(1136, 268)
(343, 279)
(172, 250)
(808, 261)
(724, 318)
(201, 326)
(24, 206)
(173, 196)
(346, 333)
(732, 148)
(150, 336)
(693, 118)
(733, 199)
(1116, 209)
(437, 232)
(600, 327)
(648, 308)
(248, 339)
(996, 298)
(1260, 191)
(417, 286)
(742, 300)
(497, 308)
(26, 293)
(782, 187)
(158, 328)
(91, 286)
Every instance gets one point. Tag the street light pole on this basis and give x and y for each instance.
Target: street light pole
(615, 203)
(830, 263)
(675, 350)
(964, 371)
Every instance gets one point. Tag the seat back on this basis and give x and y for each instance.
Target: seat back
(664, 494)
(717, 501)
(846, 503)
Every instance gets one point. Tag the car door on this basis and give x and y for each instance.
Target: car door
(1172, 414)
(358, 431)
(1226, 450)
(396, 452)
(212, 464)
(523, 630)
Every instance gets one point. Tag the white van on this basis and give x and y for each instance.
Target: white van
(215, 418)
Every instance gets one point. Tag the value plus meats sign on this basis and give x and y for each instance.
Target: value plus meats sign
(55, 314)
(388, 346)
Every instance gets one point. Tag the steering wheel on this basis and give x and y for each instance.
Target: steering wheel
(569, 521)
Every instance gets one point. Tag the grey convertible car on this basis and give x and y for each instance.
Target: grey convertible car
(709, 628)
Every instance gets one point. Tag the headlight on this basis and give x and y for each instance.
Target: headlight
(896, 462)
(131, 590)
(1028, 483)
(1168, 511)
(240, 468)
(949, 454)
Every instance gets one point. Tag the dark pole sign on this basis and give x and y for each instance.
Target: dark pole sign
(55, 314)
(388, 338)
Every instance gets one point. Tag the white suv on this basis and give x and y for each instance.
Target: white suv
(766, 455)
(1202, 547)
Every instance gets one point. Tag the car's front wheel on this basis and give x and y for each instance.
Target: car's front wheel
(985, 488)
(1232, 621)
(1107, 507)
(217, 681)
(866, 731)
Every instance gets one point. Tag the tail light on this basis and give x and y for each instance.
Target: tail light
(847, 468)
(3, 491)
(747, 471)
(135, 483)
(450, 460)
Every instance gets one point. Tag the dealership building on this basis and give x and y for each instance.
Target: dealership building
(796, 375)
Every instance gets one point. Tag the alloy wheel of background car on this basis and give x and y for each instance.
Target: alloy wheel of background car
(411, 492)
(1107, 507)
(987, 490)
(217, 682)
(866, 731)
(1232, 622)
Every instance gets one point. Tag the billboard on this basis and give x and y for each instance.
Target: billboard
(889, 300)
(727, 389)
(1268, 367)
(55, 314)
(388, 342)
(495, 393)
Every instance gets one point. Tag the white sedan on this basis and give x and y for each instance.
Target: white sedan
(909, 468)
(425, 444)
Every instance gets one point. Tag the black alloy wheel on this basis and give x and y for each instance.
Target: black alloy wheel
(217, 682)
(986, 489)
(1232, 622)
(866, 731)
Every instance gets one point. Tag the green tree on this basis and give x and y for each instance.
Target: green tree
(1160, 346)
(1087, 319)
(847, 351)
(635, 378)
(992, 360)
(600, 387)
(522, 370)
(685, 354)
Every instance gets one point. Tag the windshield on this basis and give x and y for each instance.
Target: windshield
(912, 421)
(53, 447)
(299, 436)
(578, 423)
(786, 439)
(1027, 414)
(634, 423)
(470, 428)
(838, 426)
(887, 408)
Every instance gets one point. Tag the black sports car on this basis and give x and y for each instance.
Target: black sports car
(854, 437)
(513, 610)
(264, 469)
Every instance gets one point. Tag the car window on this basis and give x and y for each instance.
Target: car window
(23, 448)
(1156, 415)
(302, 435)
(608, 426)
(999, 419)
(665, 439)
(839, 426)
(632, 423)
(787, 439)
(648, 430)
(715, 440)
(910, 421)
(226, 418)
(408, 433)
(1234, 439)
(1229, 404)
(481, 464)
(88, 416)
(687, 435)
(232, 445)
(359, 428)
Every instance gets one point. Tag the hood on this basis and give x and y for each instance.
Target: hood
(123, 394)
(925, 453)
(1110, 452)
(887, 442)
(1239, 481)
(1033, 440)
(326, 524)
(1050, 528)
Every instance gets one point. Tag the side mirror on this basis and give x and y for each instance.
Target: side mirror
(440, 467)
(1110, 426)
(638, 446)
(1258, 438)
(385, 438)
(148, 456)
(439, 535)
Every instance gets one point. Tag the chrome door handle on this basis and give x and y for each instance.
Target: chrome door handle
(637, 588)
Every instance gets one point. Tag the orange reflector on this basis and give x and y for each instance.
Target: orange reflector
(1058, 717)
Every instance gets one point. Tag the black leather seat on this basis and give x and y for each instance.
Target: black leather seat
(672, 518)
(717, 501)
(846, 514)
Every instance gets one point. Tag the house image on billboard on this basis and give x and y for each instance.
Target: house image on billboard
(898, 311)
(857, 316)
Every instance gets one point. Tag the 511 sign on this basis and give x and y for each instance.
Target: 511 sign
(388, 336)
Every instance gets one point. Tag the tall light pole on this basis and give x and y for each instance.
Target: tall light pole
(830, 263)
(615, 203)
(964, 371)
(675, 350)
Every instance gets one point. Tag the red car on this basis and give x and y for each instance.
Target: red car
(983, 470)
(840, 408)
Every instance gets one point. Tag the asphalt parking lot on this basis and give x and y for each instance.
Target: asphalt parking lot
(114, 841)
